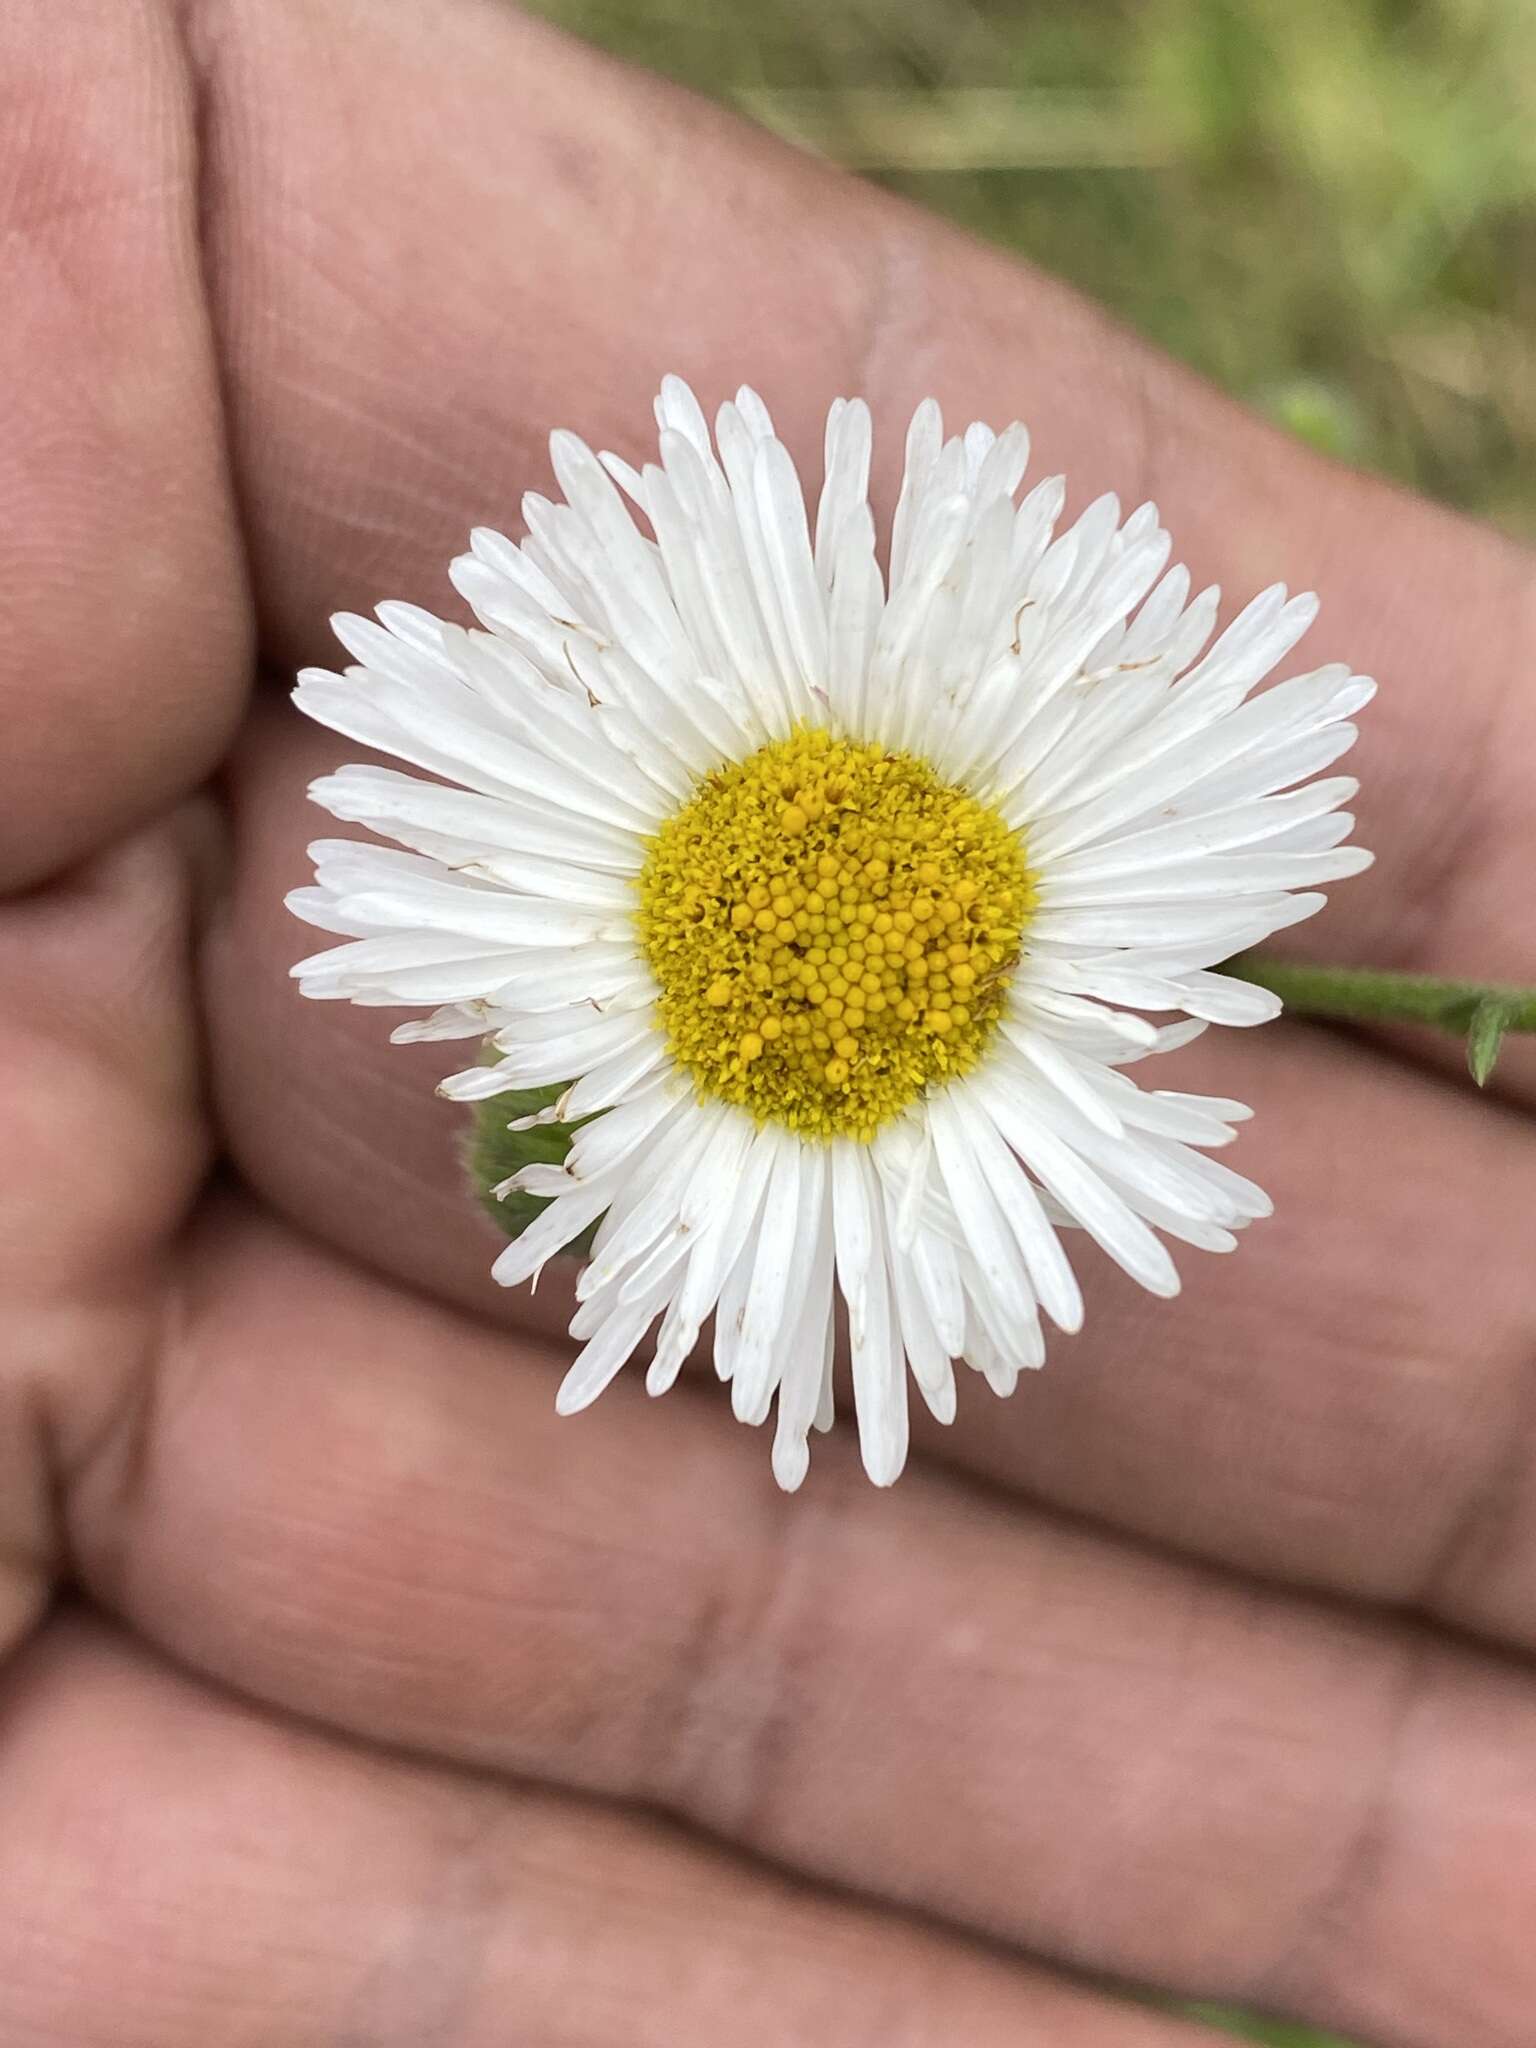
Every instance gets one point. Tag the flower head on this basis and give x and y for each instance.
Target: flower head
(830, 900)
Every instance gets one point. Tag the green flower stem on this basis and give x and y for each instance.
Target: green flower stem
(1480, 1012)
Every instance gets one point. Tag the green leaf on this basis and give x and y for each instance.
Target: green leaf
(1490, 1020)
(492, 1154)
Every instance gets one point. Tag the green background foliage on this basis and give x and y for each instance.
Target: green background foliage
(1273, 2033)
(1327, 206)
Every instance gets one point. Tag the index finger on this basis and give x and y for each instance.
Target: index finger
(431, 254)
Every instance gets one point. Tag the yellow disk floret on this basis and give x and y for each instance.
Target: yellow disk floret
(831, 927)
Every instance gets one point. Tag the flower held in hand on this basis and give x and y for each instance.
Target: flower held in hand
(829, 900)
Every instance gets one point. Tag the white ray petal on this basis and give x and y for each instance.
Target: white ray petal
(807, 1364)
(879, 1370)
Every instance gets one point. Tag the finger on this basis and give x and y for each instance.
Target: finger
(104, 1145)
(262, 1881)
(123, 658)
(1320, 1382)
(358, 1507)
(452, 286)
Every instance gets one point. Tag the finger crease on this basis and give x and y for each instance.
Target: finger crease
(746, 1686)
(1304, 1972)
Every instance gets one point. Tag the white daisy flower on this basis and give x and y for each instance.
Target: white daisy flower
(830, 898)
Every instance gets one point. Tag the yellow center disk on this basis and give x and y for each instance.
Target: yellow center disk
(831, 927)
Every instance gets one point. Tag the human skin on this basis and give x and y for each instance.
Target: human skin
(350, 1697)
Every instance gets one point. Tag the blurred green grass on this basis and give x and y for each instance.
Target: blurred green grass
(1328, 206)
(1270, 2033)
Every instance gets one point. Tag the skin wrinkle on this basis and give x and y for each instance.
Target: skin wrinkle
(894, 282)
(1480, 1533)
(1169, 1683)
(191, 23)
(28, 1559)
(422, 456)
(122, 1450)
(1318, 1947)
(421, 1990)
(1465, 833)
(756, 1639)
(1147, 465)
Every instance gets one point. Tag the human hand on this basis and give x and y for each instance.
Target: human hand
(349, 1695)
